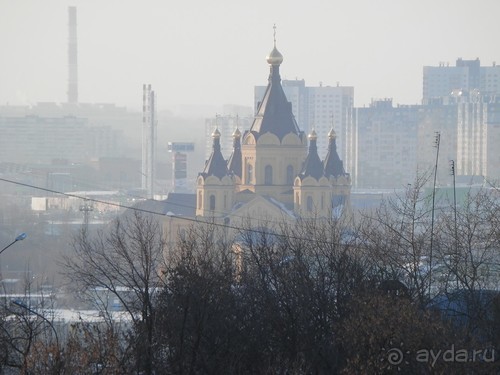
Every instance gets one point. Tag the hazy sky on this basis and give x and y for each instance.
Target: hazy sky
(211, 53)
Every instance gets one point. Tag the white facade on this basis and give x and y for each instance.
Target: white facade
(468, 75)
(472, 139)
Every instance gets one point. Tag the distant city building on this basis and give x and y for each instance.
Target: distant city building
(384, 155)
(179, 152)
(393, 144)
(227, 125)
(31, 138)
(493, 141)
(440, 116)
(470, 134)
(321, 107)
(34, 139)
(466, 75)
(96, 114)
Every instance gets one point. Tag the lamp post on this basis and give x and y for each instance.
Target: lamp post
(21, 237)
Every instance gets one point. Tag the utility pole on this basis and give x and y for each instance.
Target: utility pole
(86, 208)
(437, 141)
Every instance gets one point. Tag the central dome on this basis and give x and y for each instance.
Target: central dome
(275, 57)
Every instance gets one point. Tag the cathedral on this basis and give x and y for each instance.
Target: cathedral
(272, 173)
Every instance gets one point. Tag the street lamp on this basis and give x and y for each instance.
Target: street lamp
(21, 237)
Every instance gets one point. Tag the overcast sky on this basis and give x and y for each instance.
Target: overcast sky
(211, 53)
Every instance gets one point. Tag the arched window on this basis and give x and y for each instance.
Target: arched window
(225, 201)
(200, 200)
(268, 175)
(322, 200)
(289, 175)
(212, 202)
(249, 176)
(309, 203)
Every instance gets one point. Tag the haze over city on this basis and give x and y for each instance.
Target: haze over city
(206, 54)
(258, 187)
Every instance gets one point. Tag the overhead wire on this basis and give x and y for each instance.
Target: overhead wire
(134, 208)
(180, 205)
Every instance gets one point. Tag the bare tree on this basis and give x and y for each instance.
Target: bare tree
(197, 327)
(126, 262)
(398, 236)
(469, 260)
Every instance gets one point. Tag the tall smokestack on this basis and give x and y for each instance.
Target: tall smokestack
(148, 140)
(72, 57)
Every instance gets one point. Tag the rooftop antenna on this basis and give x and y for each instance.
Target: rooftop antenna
(437, 141)
(452, 166)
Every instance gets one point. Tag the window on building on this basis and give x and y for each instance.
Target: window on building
(268, 175)
(200, 197)
(212, 202)
(289, 175)
(309, 203)
(249, 176)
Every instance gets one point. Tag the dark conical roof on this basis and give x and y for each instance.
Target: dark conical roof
(312, 165)
(215, 165)
(333, 165)
(275, 111)
(234, 163)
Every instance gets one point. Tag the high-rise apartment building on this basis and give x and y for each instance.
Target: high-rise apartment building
(384, 155)
(466, 75)
(493, 140)
(34, 139)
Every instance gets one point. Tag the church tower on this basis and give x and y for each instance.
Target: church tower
(234, 161)
(274, 148)
(215, 185)
(340, 181)
(322, 189)
(311, 187)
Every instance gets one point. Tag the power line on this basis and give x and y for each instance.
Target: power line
(100, 187)
(120, 205)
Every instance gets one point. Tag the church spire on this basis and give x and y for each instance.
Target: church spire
(312, 165)
(215, 165)
(333, 165)
(275, 114)
(234, 163)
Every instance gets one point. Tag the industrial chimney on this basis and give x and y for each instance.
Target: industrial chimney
(72, 57)
(148, 140)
